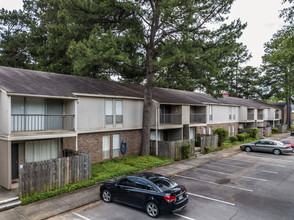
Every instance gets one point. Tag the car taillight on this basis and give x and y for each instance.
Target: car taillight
(288, 147)
(185, 191)
(170, 199)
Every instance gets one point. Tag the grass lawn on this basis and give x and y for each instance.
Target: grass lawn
(103, 171)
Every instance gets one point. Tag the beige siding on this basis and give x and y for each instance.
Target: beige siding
(91, 114)
(4, 114)
(185, 115)
(5, 164)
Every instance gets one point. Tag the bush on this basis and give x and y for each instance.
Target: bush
(247, 135)
(233, 139)
(186, 151)
(207, 150)
(197, 143)
(275, 130)
(222, 135)
(241, 137)
(253, 132)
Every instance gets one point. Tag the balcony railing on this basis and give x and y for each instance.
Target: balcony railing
(170, 118)
(39, 122)
(260, 116)
(277, 116)
(198, 118)
(250, 117)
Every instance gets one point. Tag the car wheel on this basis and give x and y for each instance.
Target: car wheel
(106, 195)
(277, 152)
(152, 209)
(248, 149)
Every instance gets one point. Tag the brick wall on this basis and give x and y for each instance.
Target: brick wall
(199, 130)
(92, 143)
(69, 143)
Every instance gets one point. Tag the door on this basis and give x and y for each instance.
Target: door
(14, 161)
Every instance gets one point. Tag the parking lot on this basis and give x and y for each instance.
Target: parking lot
(245, 186)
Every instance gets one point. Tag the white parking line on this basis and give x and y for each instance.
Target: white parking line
(212, 199)
(247, 177)
(265, 171)
(276, 165)
(182, 216)
(204, 181)
(267, 158)
(83, 217)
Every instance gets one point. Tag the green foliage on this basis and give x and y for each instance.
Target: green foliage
(252, 132)
(197, 143)
(207, 150)
(275, 130)
(186, 151)
(222, 135)
(241, 137)
(233, 139)
(103, 171)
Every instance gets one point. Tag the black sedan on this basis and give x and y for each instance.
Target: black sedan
(151, 192)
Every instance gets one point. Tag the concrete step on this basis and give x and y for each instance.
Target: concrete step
(197, 149)
(9, 203)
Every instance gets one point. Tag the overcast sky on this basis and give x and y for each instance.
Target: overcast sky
(262, 17)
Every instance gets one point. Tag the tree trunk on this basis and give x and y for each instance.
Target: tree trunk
(288, 120)
(145, 150)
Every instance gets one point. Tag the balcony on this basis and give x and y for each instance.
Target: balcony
(170, 118)
(198, 118)
(260, 116)
(250, 116)
(39, 122)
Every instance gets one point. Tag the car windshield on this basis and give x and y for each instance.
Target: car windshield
(279, 143)
(164, 184)
(286, 142)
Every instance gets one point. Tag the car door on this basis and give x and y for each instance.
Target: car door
(123, 190)
(257, 146)
(140, 193)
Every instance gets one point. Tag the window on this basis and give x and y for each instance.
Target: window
(41, 150)
(210, 130)
(126, 182)
(230, 130)
(210, 113)
(230, 113)
(108, 112)
(115, 145)
(192, 133)
(118, 112)
(204, 130)
(233, 128)
(106, 147)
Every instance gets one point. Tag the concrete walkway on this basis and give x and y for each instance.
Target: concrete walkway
(61, 204)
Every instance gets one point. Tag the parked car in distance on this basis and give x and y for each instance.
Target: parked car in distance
(270, 146)
(292, 133)
(154, 193)
(288, 142)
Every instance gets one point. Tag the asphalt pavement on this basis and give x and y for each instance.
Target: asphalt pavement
(61, 204)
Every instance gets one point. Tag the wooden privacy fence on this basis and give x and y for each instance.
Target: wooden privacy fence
(208, 141)
(171, 149)
(52, 174)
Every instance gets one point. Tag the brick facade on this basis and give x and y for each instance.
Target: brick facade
(69, 143)
(92, 143)
(200, 129)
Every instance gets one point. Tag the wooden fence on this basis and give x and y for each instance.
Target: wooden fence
(52, 174)
(207, 141)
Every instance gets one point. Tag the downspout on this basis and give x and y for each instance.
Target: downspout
(156, 131)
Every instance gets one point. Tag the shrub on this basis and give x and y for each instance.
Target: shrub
(186, 151)
(233, 139)
(275, 130)
(222, 135)
(241, 137)
(247, 135)
(206, 150)
(253, 132)
(197, 143)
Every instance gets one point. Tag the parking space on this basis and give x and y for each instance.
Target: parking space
(245, 186)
